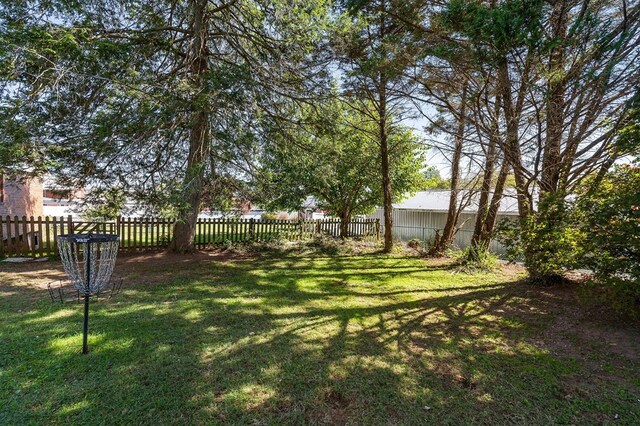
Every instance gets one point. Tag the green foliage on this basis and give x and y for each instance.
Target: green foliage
(609, 217)
(547, 241)
(338, 162)
(109, 206)
(476, 258)
(628, 142)
(377, 41)
(103, 93)
(492, 28)
(433, 179)
(269, 216)
(598, 231)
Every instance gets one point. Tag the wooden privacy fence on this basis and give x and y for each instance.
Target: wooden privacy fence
(37, 237)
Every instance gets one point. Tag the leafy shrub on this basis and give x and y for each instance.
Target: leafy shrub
(477, 258)
(547, 241)
(598, 231)
(609, 216)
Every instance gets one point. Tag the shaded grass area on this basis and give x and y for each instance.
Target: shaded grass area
(306, 339)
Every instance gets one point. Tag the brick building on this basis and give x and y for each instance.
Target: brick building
(19, 198)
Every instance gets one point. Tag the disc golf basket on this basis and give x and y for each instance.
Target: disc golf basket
(88, 261)
(62, 291)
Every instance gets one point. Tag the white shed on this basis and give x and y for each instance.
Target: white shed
(420, 215)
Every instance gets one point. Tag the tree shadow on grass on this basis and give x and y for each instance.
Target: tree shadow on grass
(276, 341)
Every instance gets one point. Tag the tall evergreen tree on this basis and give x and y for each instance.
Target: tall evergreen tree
(376, 48)
(566, 72)
(157, 98)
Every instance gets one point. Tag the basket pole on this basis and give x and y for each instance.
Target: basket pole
(85, 346)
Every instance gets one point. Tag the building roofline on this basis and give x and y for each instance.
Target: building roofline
(501, 212)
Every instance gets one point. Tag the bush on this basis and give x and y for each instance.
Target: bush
(609, 216)
(598, 231)
(547, 241)
(477, 258)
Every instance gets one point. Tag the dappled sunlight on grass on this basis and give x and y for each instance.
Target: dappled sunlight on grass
(62, 313)
(73, 407)
(294, 340)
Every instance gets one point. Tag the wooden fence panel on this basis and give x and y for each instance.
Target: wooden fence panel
(19, 236)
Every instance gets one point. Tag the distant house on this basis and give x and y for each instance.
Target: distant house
(19, 198)
(419, 216)
(58, 203)
(310, 210)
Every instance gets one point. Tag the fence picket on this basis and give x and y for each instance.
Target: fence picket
(54, 225)
(40, 238)
(1, 237)
(146, 233)
(151, 230)
(18, 235)
(137, 226)
(32, 236)
(9, 239)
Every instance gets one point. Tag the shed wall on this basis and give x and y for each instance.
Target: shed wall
(422, 225)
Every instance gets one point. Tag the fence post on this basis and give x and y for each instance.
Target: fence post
(377, 229)
(70, 224)
(252, 232)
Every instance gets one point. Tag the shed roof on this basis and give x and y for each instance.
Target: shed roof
(438, 200)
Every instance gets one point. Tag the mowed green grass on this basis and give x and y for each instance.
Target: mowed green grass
(304, 339)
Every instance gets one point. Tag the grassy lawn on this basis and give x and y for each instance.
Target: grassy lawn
(311, 339)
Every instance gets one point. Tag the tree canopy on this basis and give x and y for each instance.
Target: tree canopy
(337, 161)
(178, 104)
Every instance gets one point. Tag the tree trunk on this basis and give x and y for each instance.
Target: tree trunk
(555, 102)
(487, 178)
(485, 188)
(512, 152)
(446, 239)
(386, 174)
(492, 214)
(199, 144)
(345, 219)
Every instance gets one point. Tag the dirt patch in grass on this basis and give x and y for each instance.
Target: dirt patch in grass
(160, 266)
(608, 345)
(165, 258)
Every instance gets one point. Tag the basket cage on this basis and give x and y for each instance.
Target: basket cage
(88, 260)
(63, 291)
